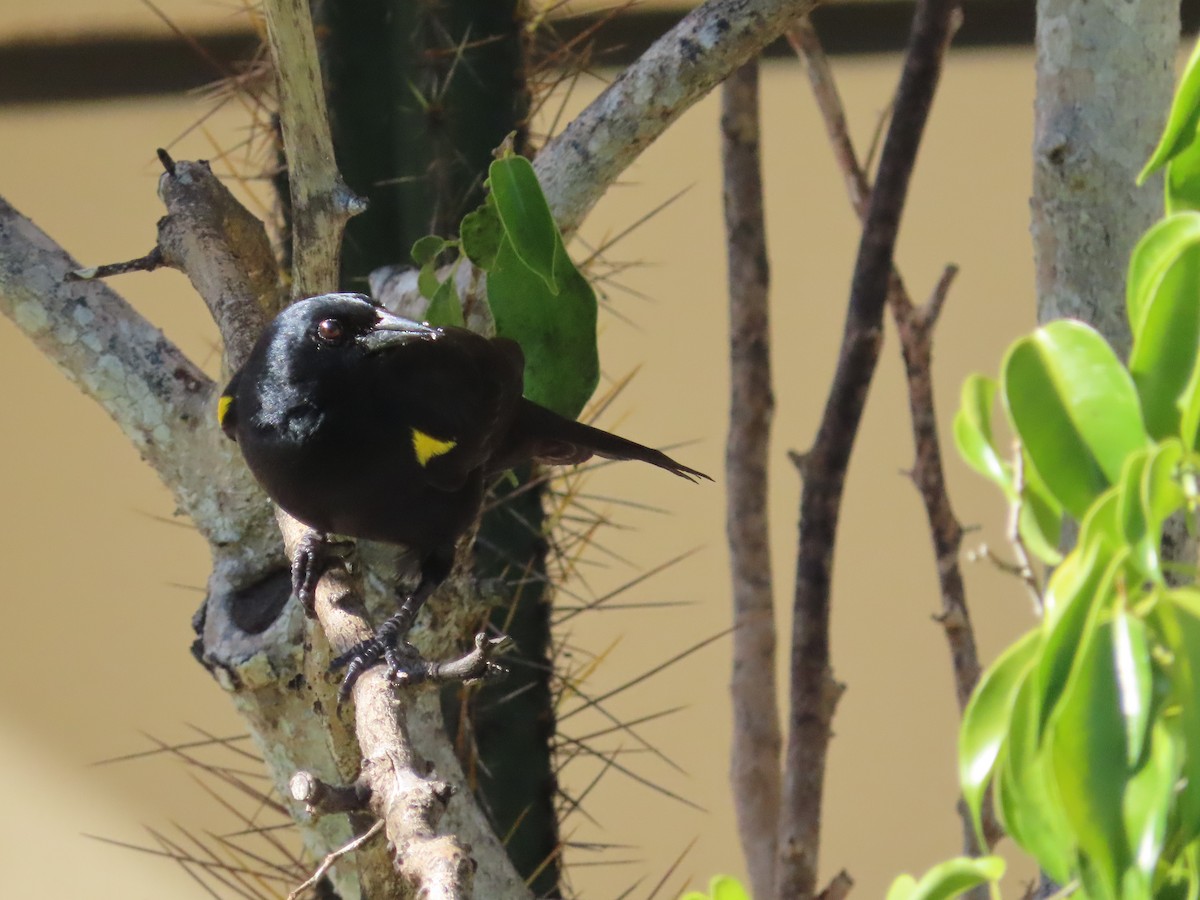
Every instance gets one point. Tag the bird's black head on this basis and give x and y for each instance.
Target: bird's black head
(316, 343)
(345, 323)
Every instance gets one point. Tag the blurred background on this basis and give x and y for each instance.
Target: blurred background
(102, 579)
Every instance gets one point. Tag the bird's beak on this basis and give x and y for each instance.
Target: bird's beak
(393, 331)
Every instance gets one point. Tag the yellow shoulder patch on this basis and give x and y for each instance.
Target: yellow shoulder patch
(223, 408)
(426, 446)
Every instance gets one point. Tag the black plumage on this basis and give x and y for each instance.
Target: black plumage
(364, 424)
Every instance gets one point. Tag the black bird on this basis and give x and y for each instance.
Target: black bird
(364, 424)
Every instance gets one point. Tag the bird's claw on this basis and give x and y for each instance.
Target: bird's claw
(314, 552)
(385, 645)
(406, 666)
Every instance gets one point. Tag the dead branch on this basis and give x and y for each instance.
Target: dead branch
(754, 757)
(813, 690)
(327, 863)
(915, 326)
(224, 251)
(158, 397)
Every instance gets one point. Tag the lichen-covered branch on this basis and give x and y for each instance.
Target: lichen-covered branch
(157, 396)
(754, 765)
(678, 69)
(814, 691)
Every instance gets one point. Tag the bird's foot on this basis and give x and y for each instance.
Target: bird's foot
(385, 645)
(407, 667)
(314, 553)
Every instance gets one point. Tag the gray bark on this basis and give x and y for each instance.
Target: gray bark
(1104, 81)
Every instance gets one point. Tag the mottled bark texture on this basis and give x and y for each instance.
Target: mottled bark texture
(754, 765)
(1104, 79)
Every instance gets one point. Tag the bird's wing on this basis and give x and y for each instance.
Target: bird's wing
(457, 397)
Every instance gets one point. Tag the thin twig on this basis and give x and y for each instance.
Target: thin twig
(330, 859)
(1024, 568)
(147, 263)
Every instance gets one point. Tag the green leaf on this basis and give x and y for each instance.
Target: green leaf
(1040, 519)
(1102, 524)
(723, 887)
(1189, 411)
(957, 876)
(1149, 494)
(1178, 618)
(1074, 408)
(445, 308)
(427, 281)
(985, 722)
(1180, 130)
(1151, 257)
(1131, 514)
(526, 216)
(973, 432)
(1162, 492)
(1027, 792)
(480, 234)
(1182, 184)
(720, 887)
(1131, 663)
(1180, 881)
(1088, 750)
(1073, 628)
(1148, 797)
(556, 331)
(1163, 304)
(426, 249)
(902, 888)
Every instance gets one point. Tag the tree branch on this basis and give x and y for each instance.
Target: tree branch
(224, 251)
(681, 67)
(915, 326)
(161, 400)
(814, 691)
(755, 754)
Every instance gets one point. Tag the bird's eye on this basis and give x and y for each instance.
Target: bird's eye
(331, 331)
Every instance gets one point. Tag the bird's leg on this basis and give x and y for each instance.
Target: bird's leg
(314, 552)
(385, 645)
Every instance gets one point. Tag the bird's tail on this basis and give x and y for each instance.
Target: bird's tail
(551, 438)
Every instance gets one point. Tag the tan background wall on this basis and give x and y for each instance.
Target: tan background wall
(100, 582)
